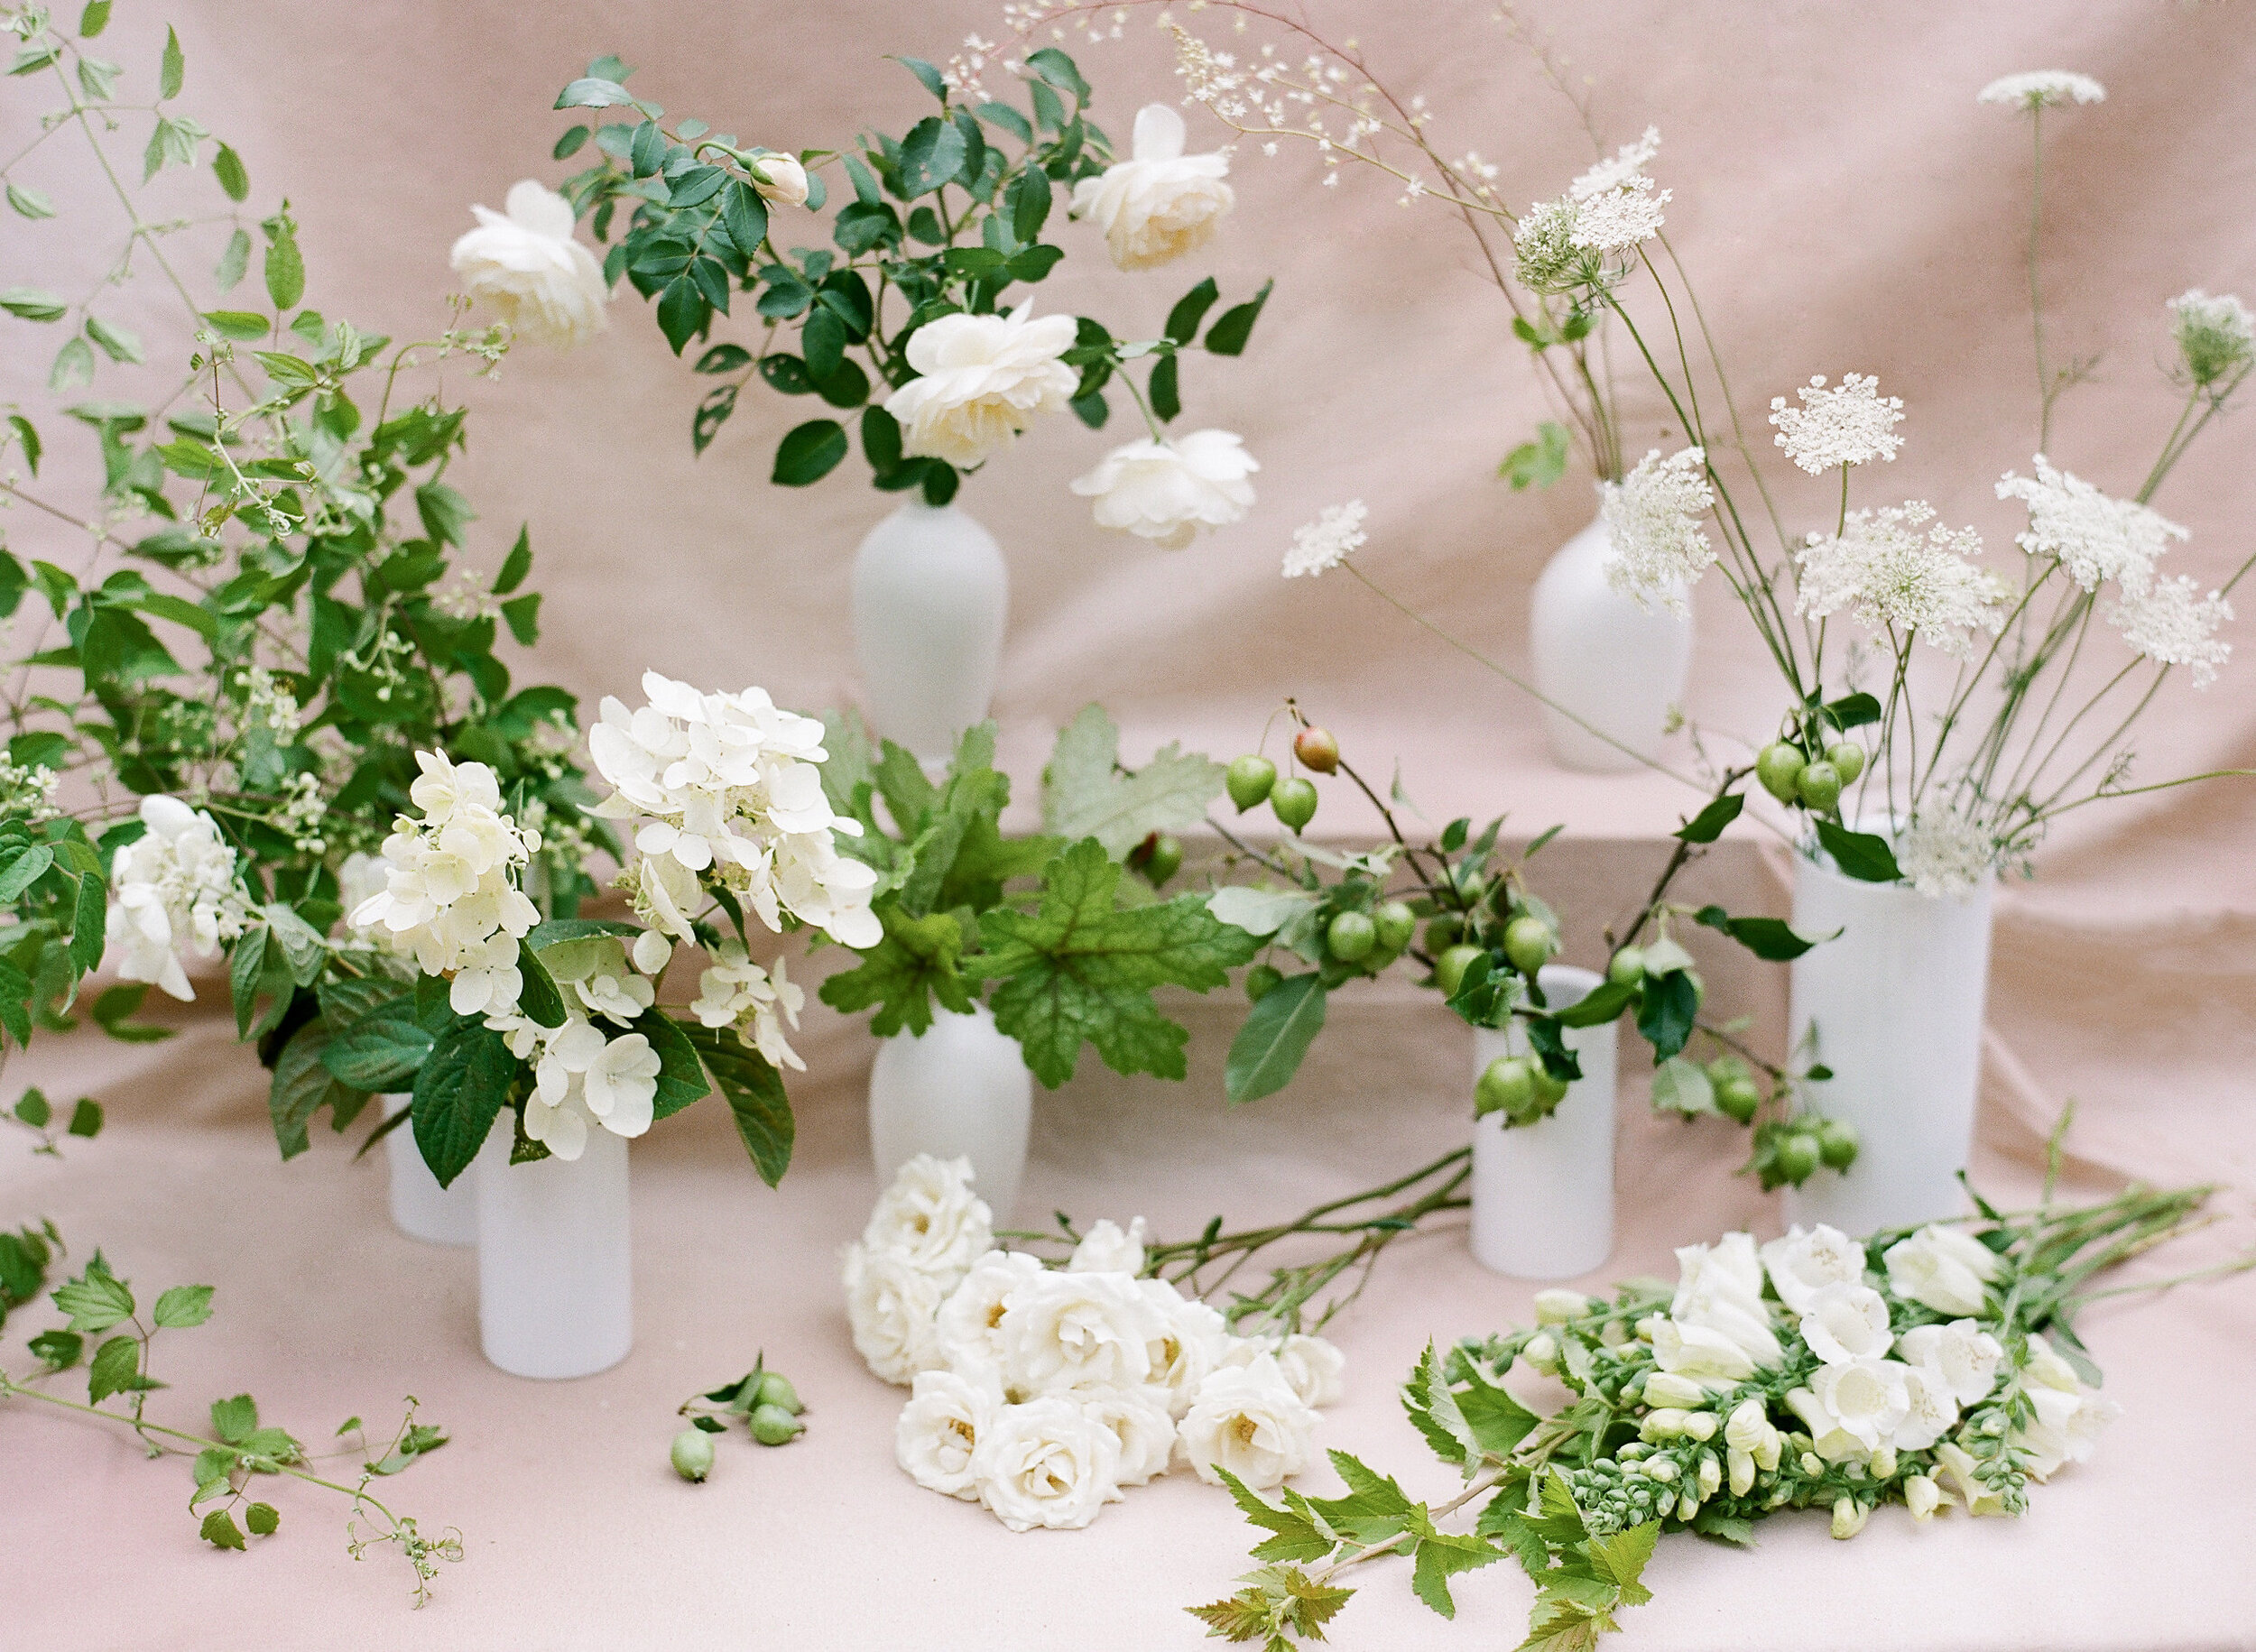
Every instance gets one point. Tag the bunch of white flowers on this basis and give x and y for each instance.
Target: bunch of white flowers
(1041, 1393)
(2093, 536)
(525, 265)
(449, 894)
(727, 788)
(1894, 578)
(1655, 544)
(1160, 203)
(734, 991)
(585, 1074)
(1851, 424)
(174, 886)
(1563, 245)
(1336, 535)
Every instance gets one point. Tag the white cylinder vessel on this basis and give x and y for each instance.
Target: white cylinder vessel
(960, 1090)
(1543, 1194)
(420, 1208)
(1893, 1006)
(556, 1278)
(930, 594)
(1616, 666)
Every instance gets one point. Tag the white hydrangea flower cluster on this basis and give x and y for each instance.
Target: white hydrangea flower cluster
(2094, 536)
(174, 886)
(734, 991)
(728, 787)
(1656, 545)
(1042, 1393)
(585, 1074)
(1851, 424)
(1892, 577)
(1942, 853)
(2041, 88)
(449, 894)
(1336, 535)
(2214, 335)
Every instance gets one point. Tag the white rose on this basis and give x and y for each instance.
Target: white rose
(1047, 1462)
(931, 1216)
(1846, 1321)
(1807, 1260)
(1194, 1339)
(1105, 1249)
(891, 1303)
(2066, 1429)
(1167, 491)
(1312, 1367)
(1960, 1356)
(1248, 1420)
(1067, 1331)
(983, 379)
(1941, 1268)
(1931, 1411)
(1852, 1410)
(939, 1431)
(1704, 1355)
(786, 179)
(528, 269)
(970, 1323)
(1160, 203)
(1138, 1420)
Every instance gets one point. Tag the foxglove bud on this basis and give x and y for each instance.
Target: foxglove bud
(1666, 1389)
(1848, 1517)
(1701, 1425)
(1742, 1472)
(1556, 1307)
(1711, 1473)
(1812, 1464)
(1541, 1352)
(1922, 1496)
(1884, 1463)
(1663, 1469)
(1664, 1424)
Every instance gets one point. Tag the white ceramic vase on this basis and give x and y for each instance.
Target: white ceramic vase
(420, 1208)
(1893, 1006)
(962, 1089)
(556, 1279)
(1543, 1194)
(1618, 667)
(930, 596)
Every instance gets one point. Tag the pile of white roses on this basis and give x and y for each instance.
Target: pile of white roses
(1041, 1393)
(174, 886)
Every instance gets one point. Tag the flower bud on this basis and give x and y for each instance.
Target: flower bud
(1629, 1454)
(1748, 1427)
(1666, 1389)
(1884, 1463)
(1711, 1473)
(693, 1453)
(1541, 1352)
(773, 1425)
(1922, 1496)
(1663, 1469)
(1687, 1503)
(1812, 1464)
(1701, 1425)
(776, 1389)
(1613, 1333)
(1742, 1472)
(1556, 1307)
(1664, 1424)
(1848, 1517)
(786, 179)
(1664, 1506)
(1648, 1325)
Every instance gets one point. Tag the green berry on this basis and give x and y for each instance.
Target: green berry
(1443, 933)
(1317, 750)
(773, 1425)
(1507, 1086)
(1397, 923)
(1819, 785)
(1528, 944)
(1837, 1144)
(1450, 966)
(693, 1453)
(1162, 858)
(1351, 935)
(1778, 768)
(1549, 1090)
(1798, 1155)
(1848, 756)
(776, 1389)
(1294, 801)
(1262, 980)
(1737, 1099)
(1249, 780)
(1469, 882)
(1627, 967)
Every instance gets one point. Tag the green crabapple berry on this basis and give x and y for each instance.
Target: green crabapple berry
(1468, 881)
(1397, 923)
(1737, 1099)
(1249, 780)
(773, 1425)
(1798, 1155)
(776, 1389)
(1162, 858)
(1819, 785)
(1351, 935)
(1528, 944)
(1848, 756)
(1627, 967)
(1317, 749)
(1837, 1144)
(1778, 768)
(1262, 980)
(1508, 1086)
(1293, 801)
(693, 1454)
(1450, 966)
(1549, 1090)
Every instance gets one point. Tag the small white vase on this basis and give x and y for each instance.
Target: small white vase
(1543, 1194)
(1616, 665)
(960, 1090)
(930, 594)
(1893, 1006)
(556, 1279)
(420, 1208)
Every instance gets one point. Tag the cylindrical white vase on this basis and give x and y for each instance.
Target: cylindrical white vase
(556, 1278)
(420, 1208)
(1543, 1194)
(960, 1090)
(1616, 665)
(931, 593)
(1893, 1006)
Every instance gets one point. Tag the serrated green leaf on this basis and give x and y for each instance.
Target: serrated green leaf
(95, 1300)
(1621, 1560)
(234, 1420)
(1084, 796)
(172, 68)
(220, 1530)
(459, 1091)
(114, 1370)
(263, 1518)
(184, 1305)
(1441, 1556)
(917, 962)
(1295, 1536)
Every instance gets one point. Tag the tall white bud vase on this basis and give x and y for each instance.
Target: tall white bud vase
(556, 1278)
(420, 1208)
(962, 1089)
(1543, 1194)
(1893, 1006)
(931, 593)
(1618, 667)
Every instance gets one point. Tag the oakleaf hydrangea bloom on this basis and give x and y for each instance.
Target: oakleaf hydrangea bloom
(2041, 88)
(727, 788)
(1329, 540)
(583, 1074)
(2170, 622)
(2215, 336)
(1655, 544)
(734, 991)
(1851, 424)
(174, 886)
(1943, 853)
(1894, 578)
(2094, 536)
(1166, 491)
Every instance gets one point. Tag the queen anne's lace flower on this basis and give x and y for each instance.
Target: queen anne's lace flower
(1160, 203)
(1894, 578)
(2214, 335)
(1550, 260)
(982, 380)
(2095, 537)
(1945, 854)
(1656, 545)
(1167, 491)
(1620, 172)
(1329, 540)
(734, 991)
(173, 887)
(2041, 88)
(1851, 424)
(1617, 220)
(2172, 623)
(528, 268)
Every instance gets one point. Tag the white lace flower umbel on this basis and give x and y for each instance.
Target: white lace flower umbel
(2041, 88)
(1335, 535)
(1892, 577)
(2094, 536)
(1851, 424)
(2172, 623)
(1656, 545)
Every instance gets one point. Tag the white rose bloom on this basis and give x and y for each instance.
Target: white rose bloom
(970, 1324)
(1807, 1260)
(525, 265)
(1960, 1356)
(1194, 1340)
(891, 1303)
(1941, 1268)
(983, 380)
(1138, 1420)
(1047, 1462)
(1931, 1411)
(2066, 1430)
(1704, 1355)
(173, 887)
(1853, 1409)
(1068, 1331)
(1248, 1420)
(931, 1216)
(1105, 1249)
(1312, 1367)
(1847, 1321)
(787, 178)
(1166, 491)
(939, 1431)
(1160, 203)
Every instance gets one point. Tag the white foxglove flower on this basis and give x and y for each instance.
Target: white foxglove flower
(2172, 623)
(1138, 1420)
(1655, 543)
(1942, 1268)
(2066, 1428)
(1335, 535)
(2214, 335)
(1166, 491)
(781, 178)
(1705, 1356)
(1558, 1304)
(1047, 1462)
(1960, 1356)
(1068, 1331)
(1853, 1409)
(1943, 853)
(1312, 1367)
(174, 886)
(526, 267)
(2042, 1367)
(1248, 1420)
(1922, 1496)
(931, 1216)
(1160, 203)
(1105, 1249)
(890, 1305)
(940, 1429)
(1930, 1409)
(1847, 1321)
(970, 1322)
(1807, 1260)
(1851, 424)
(1719, 1289)
(1893, 577)
(2041, 88)
(982, 379)
(2094, 536)
(1194, 1340)
(1958, 1463)
(734, 991)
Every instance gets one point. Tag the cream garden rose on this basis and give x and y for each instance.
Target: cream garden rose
(1077, 1331)
(1194, 1339)
(931, 1216)
(939, 1431)
(1105, 1248)
(785, 179)
(1248, 1420)
(890, 1305)
(1165, 490)
(525, 266)
(1160, 203)
(1047, 1462)
(982, 380)
(970, 1322)
(1310, 1366)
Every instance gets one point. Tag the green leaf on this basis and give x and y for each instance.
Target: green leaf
(264, 1519)
(930, 155)
(1027, 200)
(1682, 1086)
(516, 565)
(228, 167)
(1537, 463)
(1709, 825)
(569, 144)
(522, 616)
(919, 960)
(172, 69)
(87, 920)
(754, 1091)
(115, 1369)
(681, 1080)
(58, 1349)
(303, 1085)
(810, 453)
(745, 215)
(184, 1305)
(95, 1300)
(94, 19)
(1771, 940)
(1296, 1537)
(1190, 309)
(593, 93)
(1166, 393)
(1862, 855)
(459, 1092)
(232, 264)
(1597, 1008)
(27, 436)
(1268, 1050)
(86, 1113)
(220, 1531)
(240, 325)
(444, 511)
(29, 202)
(1851, 711)
(1083, 797)
(1621, 1559)
(1665, 1011)
(24, 870)
(382, 1050)
(1498, 1422)
(234, 1420)
(1433, 1411)
(1228, 335)
(1441, 1556)
(32, 304)
(285, 272)
(927, 74)
(1053, 66)
(1001, 115)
